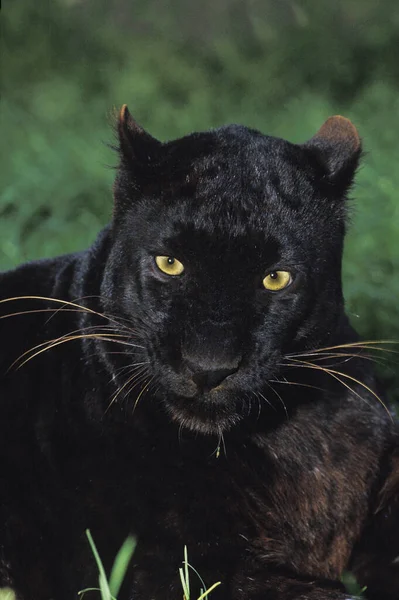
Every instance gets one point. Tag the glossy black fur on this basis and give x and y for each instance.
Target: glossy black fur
(275, 488)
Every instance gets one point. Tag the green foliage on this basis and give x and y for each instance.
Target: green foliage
(185, 580)
(280, 67)
(109, 589)
(7, 594)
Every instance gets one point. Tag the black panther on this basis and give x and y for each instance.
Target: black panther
(193, 379)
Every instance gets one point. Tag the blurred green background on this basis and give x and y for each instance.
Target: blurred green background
(277, 65)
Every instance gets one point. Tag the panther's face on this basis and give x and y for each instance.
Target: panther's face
(226, 257)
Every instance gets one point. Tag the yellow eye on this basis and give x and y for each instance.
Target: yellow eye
(277, 280)
(169, 265)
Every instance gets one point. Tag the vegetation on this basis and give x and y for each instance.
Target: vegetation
(109, 589)
(282, 67)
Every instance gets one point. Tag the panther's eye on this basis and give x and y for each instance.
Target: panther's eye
(277, 280)
(169, 265)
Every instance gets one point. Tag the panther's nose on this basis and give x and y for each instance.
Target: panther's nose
(206, 380)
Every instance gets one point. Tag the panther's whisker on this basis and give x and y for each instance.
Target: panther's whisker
(129, 366)
(221, 443)
(344, 358)
(224, 443)
(69, 310)
(325, 356)
(76, 307)
(66, 335)
(156, 389)
(39, 310)
(127, 353)
(365, 344)
(279, 397)
(56, 300)
(179, 433)
(107, 316)
(334, 372)
(382, 361)
(137, 380)
(344, 384)
(128, 370)
(136, 373)
(259, 403)
(266, 400)
(143, 390)
(108, 337)
(286, 382)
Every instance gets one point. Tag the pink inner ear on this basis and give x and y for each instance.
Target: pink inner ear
(339, 130)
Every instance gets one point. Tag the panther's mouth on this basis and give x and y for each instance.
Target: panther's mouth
(211, 422)
(207, 412)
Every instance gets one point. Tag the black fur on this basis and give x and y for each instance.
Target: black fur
(275, 488)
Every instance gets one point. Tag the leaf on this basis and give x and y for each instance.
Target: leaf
(105, 591)
(121, 564)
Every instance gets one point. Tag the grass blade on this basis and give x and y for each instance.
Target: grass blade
(105, 591)
(121, 564)
(207, 592)
(186, 572)
(184, 585)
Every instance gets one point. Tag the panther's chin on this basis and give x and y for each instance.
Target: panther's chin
(212, 413)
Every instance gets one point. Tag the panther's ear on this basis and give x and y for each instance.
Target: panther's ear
(337, 147)
(135, 144)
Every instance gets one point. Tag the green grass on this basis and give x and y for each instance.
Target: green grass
(7, 594)
(109, 588)
(184, 574)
